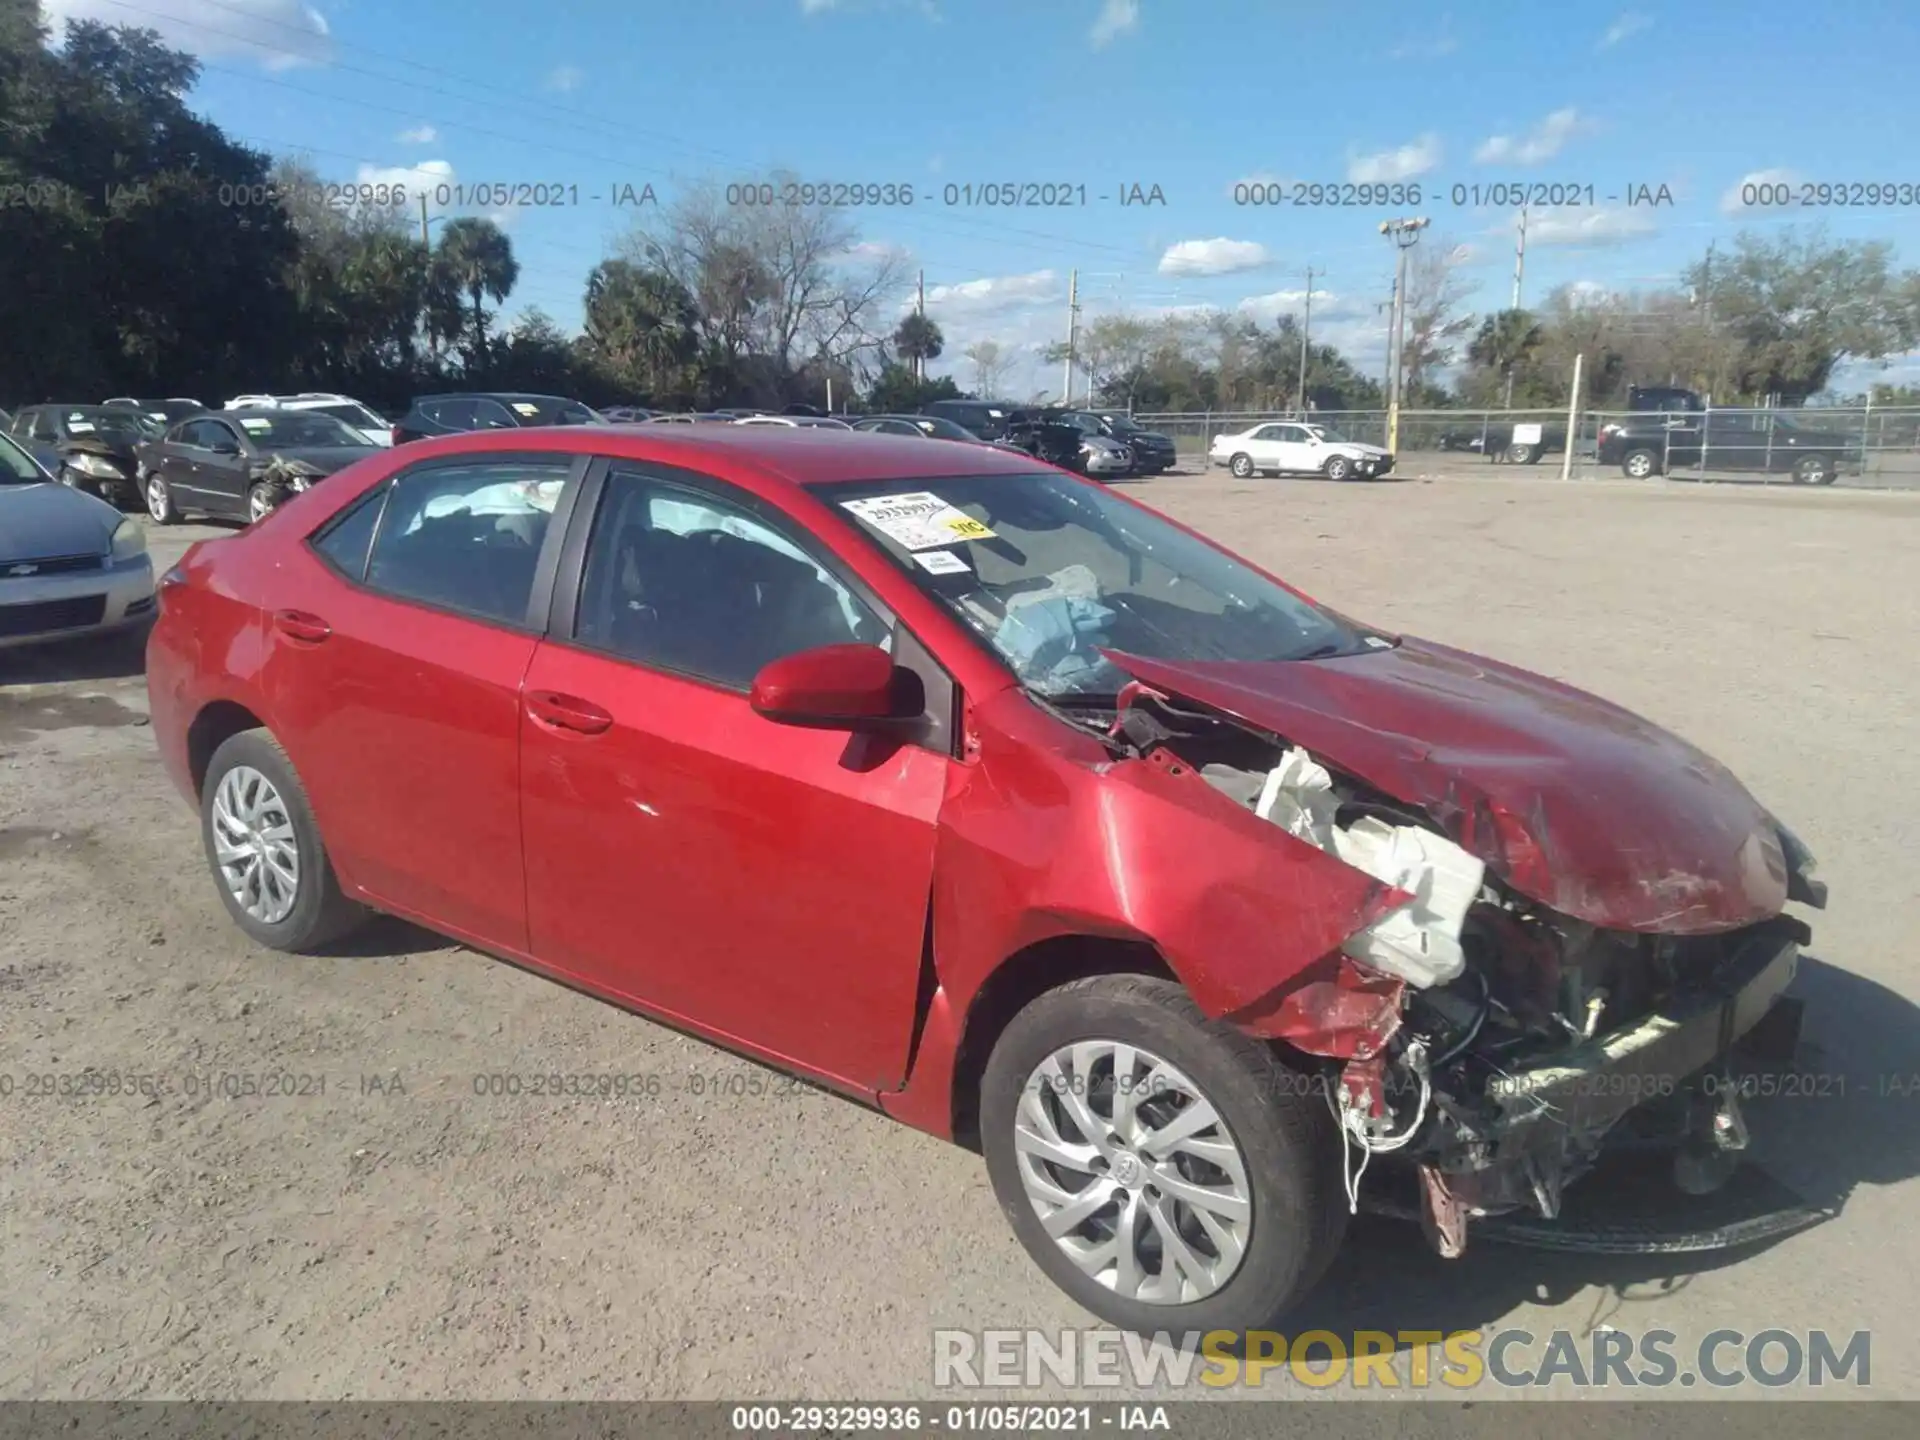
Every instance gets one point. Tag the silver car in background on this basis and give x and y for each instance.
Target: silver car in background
(71, 566)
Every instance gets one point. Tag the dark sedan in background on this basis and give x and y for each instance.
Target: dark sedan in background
(86, 447)
(70, 564)
(493, 410)
(240, 464)
(929, 427)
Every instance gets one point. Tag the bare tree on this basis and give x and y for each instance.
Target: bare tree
(1435, 321)
(785, 285)
(989, 365)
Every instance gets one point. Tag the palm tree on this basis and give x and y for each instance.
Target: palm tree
(476, 259)
(644, 322)
(919, 340)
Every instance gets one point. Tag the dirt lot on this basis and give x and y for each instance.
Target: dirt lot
(400, 1237)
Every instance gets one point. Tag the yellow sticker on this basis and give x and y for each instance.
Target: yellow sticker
(967, 528)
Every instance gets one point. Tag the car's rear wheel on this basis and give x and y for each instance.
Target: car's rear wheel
(1522, 454)
(160, 500)
(1814, 470)
(265, 850)
(1164, 1170)
(1241, 467)
(1338, 467)
(1640, 464)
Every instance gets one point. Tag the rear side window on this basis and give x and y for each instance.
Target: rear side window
(467, 537)
(346, 540)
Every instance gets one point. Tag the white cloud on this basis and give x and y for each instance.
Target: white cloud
(821, 7)
(417, 180)
(1731, 203)
(877, 251)
(565, 78)
(418, 135)
(1628, 24)
(1604, 226)
(277, 34)
(1401, 164)
(1539, 144)
(1219, 256)
(1116, 18)
(995, 294)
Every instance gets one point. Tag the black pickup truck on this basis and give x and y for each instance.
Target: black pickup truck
(1655, 443)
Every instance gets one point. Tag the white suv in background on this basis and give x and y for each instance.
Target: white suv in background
(344, 408)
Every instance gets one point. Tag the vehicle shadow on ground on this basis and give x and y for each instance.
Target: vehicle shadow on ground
(1845, 1117)
(388, 937)
(107, 657)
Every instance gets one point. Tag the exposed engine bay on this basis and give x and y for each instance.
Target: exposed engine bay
(1479, 1044)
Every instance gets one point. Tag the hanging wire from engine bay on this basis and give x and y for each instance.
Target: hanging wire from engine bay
(1358, 1130)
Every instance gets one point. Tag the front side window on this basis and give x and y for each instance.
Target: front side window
(681, 579)
(17, 467)
(467, 537)
(1049, 571)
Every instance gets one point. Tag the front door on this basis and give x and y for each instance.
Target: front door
(765, 883)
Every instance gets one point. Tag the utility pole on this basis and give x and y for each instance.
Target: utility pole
(920, 309)
(1405, 234)
(426, 240)
(1073, 338)
(1306, 325)
(1519, 275)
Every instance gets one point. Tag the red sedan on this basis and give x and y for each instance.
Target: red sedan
(989, 797)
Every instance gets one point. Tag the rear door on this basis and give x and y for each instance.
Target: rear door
(765, 883)
(395, 682)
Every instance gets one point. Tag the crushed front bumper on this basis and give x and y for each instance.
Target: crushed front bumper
(1552, 1118)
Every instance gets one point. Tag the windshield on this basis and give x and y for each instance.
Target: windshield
(546, 410)
(1329, 434)
(104, 422)
(941, 429)
(1049, 570)
(275, 428)
(16, 466)
(357, 416)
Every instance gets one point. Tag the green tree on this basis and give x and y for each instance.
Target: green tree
(1505, 345)
(898, 391)
(917, 339)
(475, 259)
(643, 325)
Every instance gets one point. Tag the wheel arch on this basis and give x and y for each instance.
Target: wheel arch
(217, 722)
(1017, 982)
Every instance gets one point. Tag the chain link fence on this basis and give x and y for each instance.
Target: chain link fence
(1869, 447)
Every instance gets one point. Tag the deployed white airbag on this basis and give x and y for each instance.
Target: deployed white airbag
(1419, 942)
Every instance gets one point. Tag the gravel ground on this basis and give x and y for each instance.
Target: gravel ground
(720, 1236)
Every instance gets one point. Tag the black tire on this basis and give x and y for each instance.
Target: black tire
(1338, 467)
(1522, 454)
(161, 510)
(1277, 1117)
(322, 912)
(1815, 470)
(1640, 464)
(1241, 467)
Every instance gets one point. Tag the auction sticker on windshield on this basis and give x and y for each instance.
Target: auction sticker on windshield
(918, 521)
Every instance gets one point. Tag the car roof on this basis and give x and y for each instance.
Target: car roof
(496, 395)
(797, 455)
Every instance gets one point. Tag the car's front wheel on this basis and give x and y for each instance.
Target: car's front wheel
(1522, 454)
(1338, 467)
(160, 500)
(1166, 1171)
(1640, 464)
(1814, 470)
(265, 850)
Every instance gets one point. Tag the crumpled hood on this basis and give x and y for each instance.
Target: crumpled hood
(1571, 800)
(49, 521)
(324, 458)
(1359, 447)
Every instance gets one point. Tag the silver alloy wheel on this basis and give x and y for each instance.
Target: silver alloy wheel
(159, 502)
(1133, 1172)
(1242, 466)
(1337, 468)
(1639, 465)
(259, 503)
(254, 843)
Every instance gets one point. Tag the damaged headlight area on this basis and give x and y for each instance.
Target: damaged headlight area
(1478, 1042)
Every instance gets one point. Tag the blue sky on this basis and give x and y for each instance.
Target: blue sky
(1191, 96)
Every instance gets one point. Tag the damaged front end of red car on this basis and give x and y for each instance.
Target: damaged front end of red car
(1576, 929)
